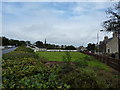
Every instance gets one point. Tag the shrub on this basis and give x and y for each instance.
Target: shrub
(29, 73)
(81, 63)
(67, 57)
(23, 69)
(66, 68)
(25, 49)
(19, 54)
(15, 70)
(86, 78)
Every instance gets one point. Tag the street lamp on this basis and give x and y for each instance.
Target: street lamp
(98, 40)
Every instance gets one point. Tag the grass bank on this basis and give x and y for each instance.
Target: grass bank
(24, 68)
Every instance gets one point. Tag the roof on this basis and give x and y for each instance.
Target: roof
(106, 41)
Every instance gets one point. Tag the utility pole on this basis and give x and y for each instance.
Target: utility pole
(98, 44)
(98, 41)
(45, 41)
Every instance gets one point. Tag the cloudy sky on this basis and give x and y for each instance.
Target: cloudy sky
(62, 23)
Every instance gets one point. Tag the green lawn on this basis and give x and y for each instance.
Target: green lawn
(58, 56)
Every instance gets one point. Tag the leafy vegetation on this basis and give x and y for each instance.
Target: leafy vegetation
(21, 52)
(31, 72)
(22, 70)
(67, 57)
(22, 48)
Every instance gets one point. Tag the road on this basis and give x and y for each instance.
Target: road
(7, 50)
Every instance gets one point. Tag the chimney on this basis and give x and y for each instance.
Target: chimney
(105, 38)
(100, 42)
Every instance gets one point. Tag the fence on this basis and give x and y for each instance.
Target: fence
(114, 63)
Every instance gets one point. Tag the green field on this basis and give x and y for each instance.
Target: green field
(75, 56)
(58, 56)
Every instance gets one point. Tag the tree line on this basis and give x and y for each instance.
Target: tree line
(39, 44)
(12, 42)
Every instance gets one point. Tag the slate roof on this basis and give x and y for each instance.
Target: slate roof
(106, 41)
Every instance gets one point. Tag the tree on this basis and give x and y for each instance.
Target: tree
(28, 42)
(22, 43)
(113, 24)
(14, 42)
(5, 41)
(91, 47)
(62, 46)
(39, 44)
(70, 48)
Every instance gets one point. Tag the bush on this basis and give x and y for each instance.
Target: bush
(29, 73)
(15, 70)
(81, 63)
(87, 78)
(23, 69)
(67, 57)
(19, 54)
(66, 68)
(25, 49)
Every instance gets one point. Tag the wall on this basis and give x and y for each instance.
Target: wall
(112, 45)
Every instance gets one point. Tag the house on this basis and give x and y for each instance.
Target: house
(38, 48)
(109, 45)
(81, 48)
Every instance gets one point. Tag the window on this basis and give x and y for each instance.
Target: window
(108, 50)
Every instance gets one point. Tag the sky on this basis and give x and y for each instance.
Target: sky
(60, 23)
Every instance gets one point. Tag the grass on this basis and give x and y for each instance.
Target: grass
(27, 71)
(58, 56)
(99, 65)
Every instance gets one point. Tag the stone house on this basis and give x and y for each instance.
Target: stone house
(109, 45)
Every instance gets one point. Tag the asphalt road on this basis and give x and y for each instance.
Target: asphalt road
(7, 50)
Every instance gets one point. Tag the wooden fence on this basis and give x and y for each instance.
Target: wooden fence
(114, 63)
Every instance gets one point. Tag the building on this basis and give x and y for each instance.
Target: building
(37, 48)
(81, 48)
(109, 45)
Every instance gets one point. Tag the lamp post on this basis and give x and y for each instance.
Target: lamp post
(98, 41)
